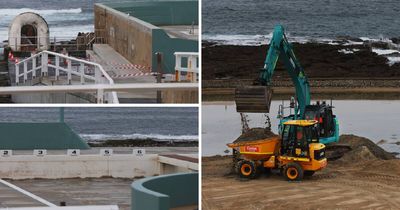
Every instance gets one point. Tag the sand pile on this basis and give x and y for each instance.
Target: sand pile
(356, 155)
(255, 134)
(357, 142)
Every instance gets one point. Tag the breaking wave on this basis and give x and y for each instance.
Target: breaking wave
(157, 137)
(15, 12)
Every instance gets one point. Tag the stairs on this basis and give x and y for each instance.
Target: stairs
(4, 81)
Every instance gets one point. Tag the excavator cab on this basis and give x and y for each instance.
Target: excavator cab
(325, 117)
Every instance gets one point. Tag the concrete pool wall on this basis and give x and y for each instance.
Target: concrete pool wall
(91, 166)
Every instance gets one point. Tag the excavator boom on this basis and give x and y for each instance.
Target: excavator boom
(257, 98)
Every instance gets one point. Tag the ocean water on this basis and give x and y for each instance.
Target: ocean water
(251, 22)
(116, 123)
(65, 18)
(373, 119)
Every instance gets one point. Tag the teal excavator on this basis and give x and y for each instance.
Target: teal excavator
(257, 98)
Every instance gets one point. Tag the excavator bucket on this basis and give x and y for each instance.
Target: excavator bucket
(253, 99)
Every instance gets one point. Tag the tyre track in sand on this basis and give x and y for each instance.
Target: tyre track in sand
(336, 187)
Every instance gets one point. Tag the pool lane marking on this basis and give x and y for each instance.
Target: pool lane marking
(33, 196)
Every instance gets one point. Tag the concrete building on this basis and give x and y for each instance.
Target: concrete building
(138, 30)
(28, 30)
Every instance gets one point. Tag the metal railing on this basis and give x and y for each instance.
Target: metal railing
(100, 89)
(83, 69)
(186, 62)
(30, 43)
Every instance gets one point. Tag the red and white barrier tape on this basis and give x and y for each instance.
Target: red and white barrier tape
(133, 75)
(128, 66)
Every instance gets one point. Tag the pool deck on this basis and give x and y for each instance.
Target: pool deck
(85, 191)
(10, 198)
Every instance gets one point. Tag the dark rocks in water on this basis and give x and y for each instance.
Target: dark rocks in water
(142, 143)
(349, 38)
(382, 141)
(395, 40)
(255, 134)
(381, 45)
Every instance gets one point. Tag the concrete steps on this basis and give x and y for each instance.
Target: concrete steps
(4, 81)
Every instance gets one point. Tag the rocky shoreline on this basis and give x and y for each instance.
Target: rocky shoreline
(355, 70)
(232, 62)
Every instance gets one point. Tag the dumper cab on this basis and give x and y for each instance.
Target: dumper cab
(301, 153)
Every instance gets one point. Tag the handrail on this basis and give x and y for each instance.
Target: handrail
(192, 68)
(111, 81)
(114, 97)
(104, 87)
(99, 88)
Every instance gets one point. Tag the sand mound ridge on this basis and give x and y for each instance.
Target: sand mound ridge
(361, 146)
(255, 134)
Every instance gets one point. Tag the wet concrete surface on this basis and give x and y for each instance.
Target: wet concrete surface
(99, 191)
(11, 198)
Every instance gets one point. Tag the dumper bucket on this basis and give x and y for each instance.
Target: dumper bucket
(253, 99)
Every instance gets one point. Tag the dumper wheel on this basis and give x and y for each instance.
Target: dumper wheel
(293, 172)
(246, 169)
(309, 173)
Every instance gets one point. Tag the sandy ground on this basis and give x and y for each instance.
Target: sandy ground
(361, 179)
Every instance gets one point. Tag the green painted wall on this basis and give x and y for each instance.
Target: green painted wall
(165, 192)
(168, 46)
(162, 13)
(28, 136)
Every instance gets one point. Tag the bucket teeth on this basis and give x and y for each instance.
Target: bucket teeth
(253, 99)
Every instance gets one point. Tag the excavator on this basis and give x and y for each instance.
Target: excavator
(257, 98)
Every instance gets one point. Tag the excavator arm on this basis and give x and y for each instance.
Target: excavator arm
(257, 99)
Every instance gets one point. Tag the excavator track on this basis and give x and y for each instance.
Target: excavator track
(336, 151)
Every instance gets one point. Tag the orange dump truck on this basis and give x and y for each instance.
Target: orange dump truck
(297, 152)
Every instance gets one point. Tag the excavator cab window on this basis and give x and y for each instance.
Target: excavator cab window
(323, 114)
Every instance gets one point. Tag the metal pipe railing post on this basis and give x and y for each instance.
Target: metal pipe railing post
(69, 62)
(178, 65)
(100, 96)
(16, 73)
(25, 71)
(82, 71)
(34, 68)
(57, 68)
(159, 75)
(97, 75)
(45, 58)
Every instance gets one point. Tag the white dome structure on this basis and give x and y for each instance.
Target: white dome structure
(28, 31)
